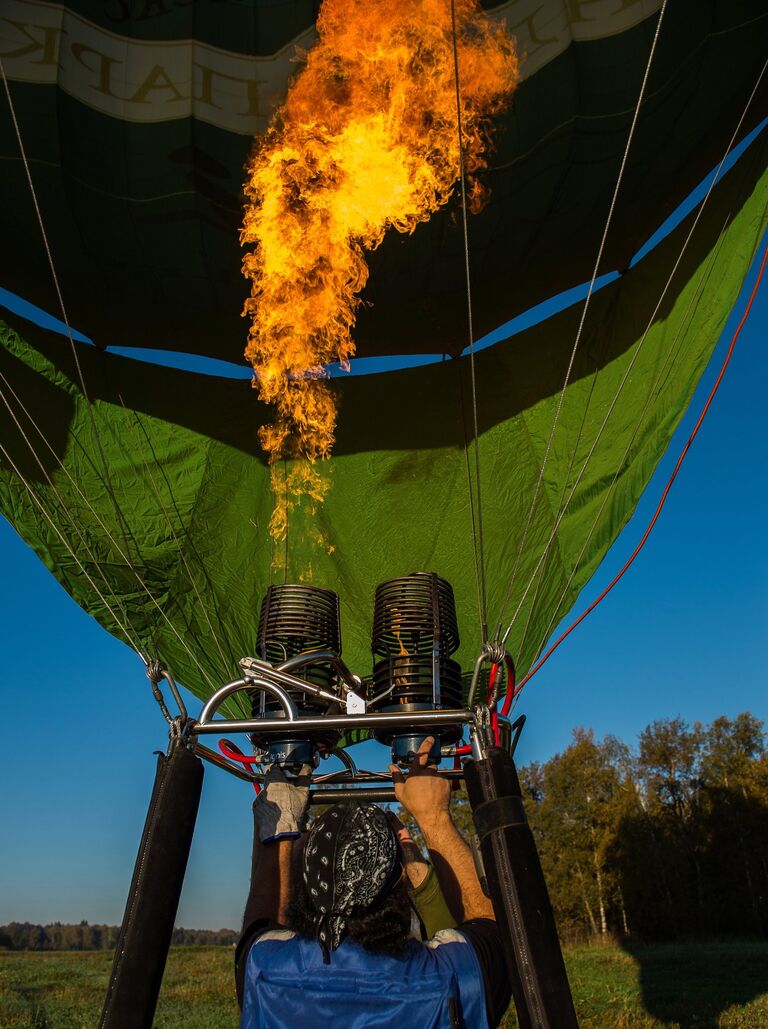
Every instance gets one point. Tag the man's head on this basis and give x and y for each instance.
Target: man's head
(351, 881)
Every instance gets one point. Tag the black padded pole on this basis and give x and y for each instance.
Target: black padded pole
(153, 899)
(519, 894)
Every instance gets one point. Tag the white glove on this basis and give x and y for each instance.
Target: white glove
(279, 811)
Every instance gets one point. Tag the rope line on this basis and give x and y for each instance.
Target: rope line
(478, 541)
(190, 541)
(181, 553)
(73, 555)
(668, 486)
(635, 355)
(652, 394)
(582, 320)
(131, 636)
(124, 528)
(472, 514)
(101, 522)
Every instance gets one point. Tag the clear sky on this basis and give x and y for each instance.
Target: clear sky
(683, 634)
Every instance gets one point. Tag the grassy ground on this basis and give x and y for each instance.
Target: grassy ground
(695, 986)
(66, 990)
(679, 986)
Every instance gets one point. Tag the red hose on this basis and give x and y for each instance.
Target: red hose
(233, 752)
(512, 690)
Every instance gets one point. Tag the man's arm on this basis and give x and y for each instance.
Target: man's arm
(424, 886)
(455, 868)
(278, 820)
(425, 795)
(271, 878)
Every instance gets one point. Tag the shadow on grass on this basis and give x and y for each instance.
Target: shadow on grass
(693, 984)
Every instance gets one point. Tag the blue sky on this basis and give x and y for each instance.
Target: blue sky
(683, 634)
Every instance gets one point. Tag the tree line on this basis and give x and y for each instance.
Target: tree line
(27, 936)
(665, 841)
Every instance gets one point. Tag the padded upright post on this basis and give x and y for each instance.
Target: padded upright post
(519, 894)
(153, 899)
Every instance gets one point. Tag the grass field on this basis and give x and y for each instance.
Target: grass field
(706, 986)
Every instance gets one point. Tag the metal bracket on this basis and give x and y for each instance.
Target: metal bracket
(281, 684)
(492, 653)
(179, 726)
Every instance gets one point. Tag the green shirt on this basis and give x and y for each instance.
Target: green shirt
(430, 905)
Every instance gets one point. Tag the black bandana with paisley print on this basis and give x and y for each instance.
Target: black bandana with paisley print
(351, 863)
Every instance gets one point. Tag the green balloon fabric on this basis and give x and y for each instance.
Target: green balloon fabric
(149, 500)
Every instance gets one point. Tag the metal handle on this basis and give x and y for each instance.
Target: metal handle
(319, 657)
(388, 720)
(224, 692)
(262, 671)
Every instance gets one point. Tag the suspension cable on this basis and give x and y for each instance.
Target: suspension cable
(121, 521)
(475, 496)
(665, 369)
(181, 553)
(127, 634)
(668, 486)
(585, 308)
(133, 635)
(635, 355)
(125, 530)
(109, 535)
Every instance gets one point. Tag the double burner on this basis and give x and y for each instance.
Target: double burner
(414, 633)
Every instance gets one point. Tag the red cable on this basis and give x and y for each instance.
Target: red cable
(492, 681)
(494, 714)
(512, 690)
(667, 488)
(233, 752)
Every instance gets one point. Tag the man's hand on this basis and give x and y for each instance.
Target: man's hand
(425, 794)
(279, 811)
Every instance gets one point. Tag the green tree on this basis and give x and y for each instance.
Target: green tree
(571, 804)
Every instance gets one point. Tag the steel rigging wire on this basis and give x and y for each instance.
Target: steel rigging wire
(475, 496)
(106, 478)
(653, 394)
(182, 555)
(564, 507)
(579, 331)
(668, 486)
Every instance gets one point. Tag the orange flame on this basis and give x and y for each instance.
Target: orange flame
(366, 141)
